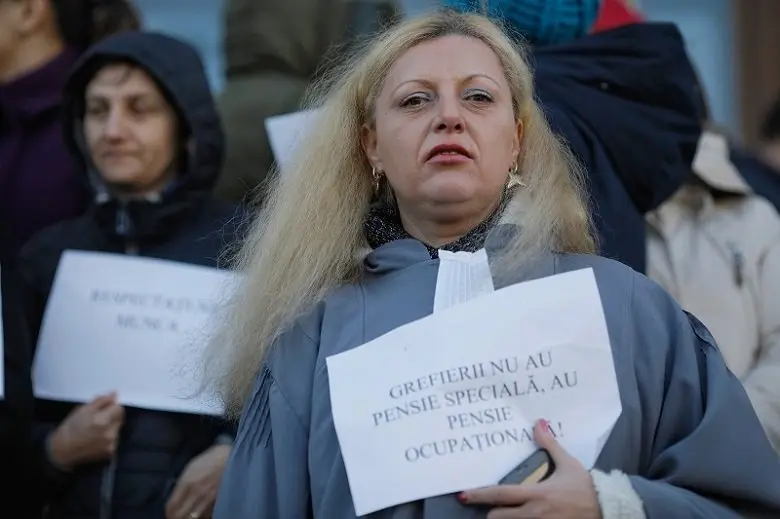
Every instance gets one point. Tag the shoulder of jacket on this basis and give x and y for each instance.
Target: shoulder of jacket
(54, 239)
(760, 218)
(759, 207)
(602, 267)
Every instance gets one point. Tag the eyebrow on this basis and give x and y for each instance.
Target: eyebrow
(97, 95)
(428, 82)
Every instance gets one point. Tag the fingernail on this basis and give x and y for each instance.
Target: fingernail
(462, 497)
(544, 424)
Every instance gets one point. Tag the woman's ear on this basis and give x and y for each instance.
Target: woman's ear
(369, 142)
(517, 140)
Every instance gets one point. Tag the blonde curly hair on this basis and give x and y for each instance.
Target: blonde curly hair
(309, 236)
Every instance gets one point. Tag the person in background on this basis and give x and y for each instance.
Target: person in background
(40, 41)
(273, 51)
(762, 170)
(617, 13)
(770, 136)
(433, 140)
(141, 121)
(537, 22)
(624, 100)
(16, 399)
(715, 246)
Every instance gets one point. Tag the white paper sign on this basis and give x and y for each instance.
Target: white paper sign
(285, 132)
(448, 403)
(2, 348)
(132, 325)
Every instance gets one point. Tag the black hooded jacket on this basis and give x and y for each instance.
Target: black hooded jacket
(762, 178)
(626, 102)
(186, 225)
(16, 403)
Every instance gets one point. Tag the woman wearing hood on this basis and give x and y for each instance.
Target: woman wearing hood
(431, 143)
(141, 120)
(715, 246)
(40, 40)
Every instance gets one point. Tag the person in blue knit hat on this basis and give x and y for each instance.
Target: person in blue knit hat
(541, 22)
(624, 101)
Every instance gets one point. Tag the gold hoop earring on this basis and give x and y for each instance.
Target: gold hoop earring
(377, 176)
(514, 178)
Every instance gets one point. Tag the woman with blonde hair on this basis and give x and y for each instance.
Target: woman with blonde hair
(430, 141)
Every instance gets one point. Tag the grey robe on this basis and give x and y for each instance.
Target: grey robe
(688, 436)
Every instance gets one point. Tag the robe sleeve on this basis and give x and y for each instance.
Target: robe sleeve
(267, 472)
(708, 454)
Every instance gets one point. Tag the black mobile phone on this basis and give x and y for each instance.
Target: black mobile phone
(535, 468)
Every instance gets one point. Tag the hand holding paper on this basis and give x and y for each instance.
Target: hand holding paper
(89, 433)
(112, 317)
(569, 495)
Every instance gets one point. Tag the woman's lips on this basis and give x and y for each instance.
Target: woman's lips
(448, 158)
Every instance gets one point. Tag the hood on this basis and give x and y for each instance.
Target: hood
(713, 165)
(179, 72)
(634, 90)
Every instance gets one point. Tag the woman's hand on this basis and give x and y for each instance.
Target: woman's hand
(196, 490)
(568, 494)
(89, 433)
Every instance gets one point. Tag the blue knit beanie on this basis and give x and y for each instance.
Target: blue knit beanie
(542, 22)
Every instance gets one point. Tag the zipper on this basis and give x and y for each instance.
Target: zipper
(737, 264)
(123, 227)
(107, 489)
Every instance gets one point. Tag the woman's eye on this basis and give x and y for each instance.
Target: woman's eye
(94, 110)
(142, 108)
(479, 96)
(413, 100)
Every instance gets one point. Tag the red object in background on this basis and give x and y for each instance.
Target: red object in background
(616, 13)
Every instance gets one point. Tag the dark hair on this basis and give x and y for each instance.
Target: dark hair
(84, 22)
(700, 97)
(770, 126)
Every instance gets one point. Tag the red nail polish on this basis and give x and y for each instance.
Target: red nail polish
(462, 497)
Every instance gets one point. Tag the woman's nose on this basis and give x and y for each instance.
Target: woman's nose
(450, 118)
(114, 127)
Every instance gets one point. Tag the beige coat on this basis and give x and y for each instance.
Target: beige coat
(716, 248)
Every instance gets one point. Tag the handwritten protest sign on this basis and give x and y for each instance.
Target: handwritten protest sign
(448, 402)
(132, 325)
(2, 349)
(285, 132)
